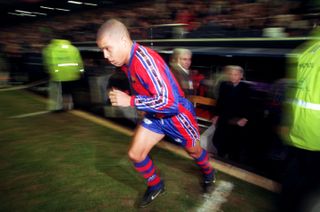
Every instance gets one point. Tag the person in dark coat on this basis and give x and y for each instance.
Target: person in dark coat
(232, 115)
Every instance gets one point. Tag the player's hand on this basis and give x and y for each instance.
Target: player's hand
(119, 98)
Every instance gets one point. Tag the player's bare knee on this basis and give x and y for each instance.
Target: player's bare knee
(133, 156)
(194, 152)
(190, 152)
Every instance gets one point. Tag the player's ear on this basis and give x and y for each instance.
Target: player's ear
(124, 40)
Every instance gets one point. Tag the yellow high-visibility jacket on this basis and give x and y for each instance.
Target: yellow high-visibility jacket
(304, 131)
(62, 60)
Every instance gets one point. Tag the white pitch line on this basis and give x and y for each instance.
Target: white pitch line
(30, 114)
(219, 196)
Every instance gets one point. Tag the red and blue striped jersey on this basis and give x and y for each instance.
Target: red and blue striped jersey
(155, 89)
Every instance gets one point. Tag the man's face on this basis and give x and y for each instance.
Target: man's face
(113, 49)
(185, 61)
(235, 76)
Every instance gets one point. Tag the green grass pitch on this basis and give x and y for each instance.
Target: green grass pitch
(60, 162)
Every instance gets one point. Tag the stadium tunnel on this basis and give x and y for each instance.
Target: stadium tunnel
(263, 59)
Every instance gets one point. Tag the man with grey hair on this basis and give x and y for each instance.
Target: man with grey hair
(232, 114)
(180, 66)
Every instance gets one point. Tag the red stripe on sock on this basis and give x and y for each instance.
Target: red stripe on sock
(205, 159)
(144, 168)
(154, 182)
(208, 171)
(147, 175)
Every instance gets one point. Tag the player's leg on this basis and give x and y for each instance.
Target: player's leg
(186, 132)
(201, 157)
(143, 141)
(55, 96)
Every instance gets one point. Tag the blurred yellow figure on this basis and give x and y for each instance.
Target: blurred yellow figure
(64, 64)
(301, 184)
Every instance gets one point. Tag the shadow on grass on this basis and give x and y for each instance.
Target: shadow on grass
(116, 165)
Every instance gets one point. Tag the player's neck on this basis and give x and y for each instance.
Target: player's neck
(130, 46)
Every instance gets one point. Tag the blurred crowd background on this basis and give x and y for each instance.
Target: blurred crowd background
(171, 19)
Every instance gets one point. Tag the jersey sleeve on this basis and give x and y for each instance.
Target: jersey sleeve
(155, 76)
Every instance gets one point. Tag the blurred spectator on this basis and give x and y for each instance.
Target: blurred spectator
(185, 16)
(218, 79)
(99, 76)
(202, 19)
(232, 115)
(274, 32)
(199, 88)
(64, 64)
(180, 66)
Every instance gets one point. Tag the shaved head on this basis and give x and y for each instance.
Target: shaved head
(113, 28)
(114, 41)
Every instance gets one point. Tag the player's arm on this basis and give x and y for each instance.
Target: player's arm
(164, 97)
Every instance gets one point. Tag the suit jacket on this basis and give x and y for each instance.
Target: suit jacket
(233, 102)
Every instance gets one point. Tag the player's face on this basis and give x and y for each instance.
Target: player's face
(113, 50)
(185, 61)
(235, 76)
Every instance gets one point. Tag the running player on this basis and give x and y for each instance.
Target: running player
(157, 93)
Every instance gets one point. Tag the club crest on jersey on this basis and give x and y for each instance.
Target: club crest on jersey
(178, 140)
